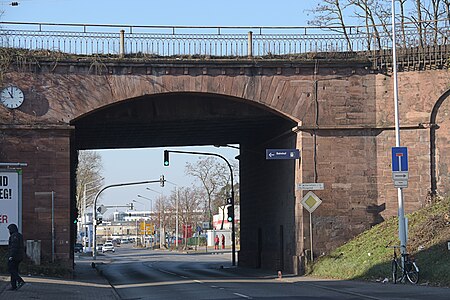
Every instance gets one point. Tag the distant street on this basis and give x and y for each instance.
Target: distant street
(148, 274)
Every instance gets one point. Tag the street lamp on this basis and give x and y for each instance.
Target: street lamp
(161, 231)
(401, 210)
(83, 208)
(151, 202)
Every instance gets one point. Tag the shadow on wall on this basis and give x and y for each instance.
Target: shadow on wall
(376, 210)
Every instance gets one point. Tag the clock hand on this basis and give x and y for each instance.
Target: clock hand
(10, 93)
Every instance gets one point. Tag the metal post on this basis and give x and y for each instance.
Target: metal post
(250, 44)
(401, 211)
(311, 236)
(53, 226)
(122, 44)
(176, 219)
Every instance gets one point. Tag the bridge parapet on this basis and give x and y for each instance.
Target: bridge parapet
(212, 42)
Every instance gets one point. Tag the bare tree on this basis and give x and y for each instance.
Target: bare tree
(189, 200)
(365, 11)
(88, 172)
(330, 13)
(212, 176)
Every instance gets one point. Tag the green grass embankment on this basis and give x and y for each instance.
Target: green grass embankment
(367, 258)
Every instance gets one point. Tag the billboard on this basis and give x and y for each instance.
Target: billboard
(10, 198)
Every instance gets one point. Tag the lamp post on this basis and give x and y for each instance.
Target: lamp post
(401, 211)
(83, 209)
(161, 239)
(151, 202)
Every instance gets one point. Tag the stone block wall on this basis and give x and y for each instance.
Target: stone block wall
(46, 153)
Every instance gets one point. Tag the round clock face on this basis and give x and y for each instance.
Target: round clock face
(11, 97)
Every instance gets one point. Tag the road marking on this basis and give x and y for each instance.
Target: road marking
(243, 296)
(341, 291)
(167, 272)
(198, 281)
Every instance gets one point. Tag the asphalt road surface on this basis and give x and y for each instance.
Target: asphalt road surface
(149, 274)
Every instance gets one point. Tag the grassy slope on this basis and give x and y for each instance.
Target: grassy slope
(365, 257)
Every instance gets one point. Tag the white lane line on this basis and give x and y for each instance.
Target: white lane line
(243, 296)
(198, 281)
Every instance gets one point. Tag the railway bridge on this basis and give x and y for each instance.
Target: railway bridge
(336, 107)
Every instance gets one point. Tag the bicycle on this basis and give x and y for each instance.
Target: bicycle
(410, 270)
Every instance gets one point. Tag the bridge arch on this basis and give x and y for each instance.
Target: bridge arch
(444, 149)
(196, 118)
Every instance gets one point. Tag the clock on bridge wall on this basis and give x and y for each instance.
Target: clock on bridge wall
(12, 97)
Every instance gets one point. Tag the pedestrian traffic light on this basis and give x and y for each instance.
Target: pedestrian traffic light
(230, 201)
(166, 158)
(230, 213)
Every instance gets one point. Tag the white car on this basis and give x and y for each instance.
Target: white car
(99, 247)
(108, 247)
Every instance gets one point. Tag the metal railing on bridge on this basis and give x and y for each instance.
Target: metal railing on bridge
(228, 41)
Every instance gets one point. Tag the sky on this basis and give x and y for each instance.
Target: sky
(123, 166)
(150, 12)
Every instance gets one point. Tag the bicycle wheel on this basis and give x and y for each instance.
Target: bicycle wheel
(394, 271)
(412, 272)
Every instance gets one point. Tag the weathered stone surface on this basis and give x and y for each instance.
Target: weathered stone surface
(350, 153)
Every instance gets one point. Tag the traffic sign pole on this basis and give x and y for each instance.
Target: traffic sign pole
(401, 211)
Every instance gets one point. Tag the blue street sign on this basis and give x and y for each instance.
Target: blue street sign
(282, 154)
(399, 159)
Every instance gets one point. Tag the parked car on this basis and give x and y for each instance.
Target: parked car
(78, 248)
(108, 247)
(99, 247)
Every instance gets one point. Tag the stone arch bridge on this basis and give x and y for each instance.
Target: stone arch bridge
(338, 112)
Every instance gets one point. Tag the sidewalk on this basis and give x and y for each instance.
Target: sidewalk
(87, 284)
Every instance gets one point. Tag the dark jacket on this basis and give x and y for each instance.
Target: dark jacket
(16, 247)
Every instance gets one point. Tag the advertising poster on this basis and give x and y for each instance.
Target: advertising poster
(9, 202)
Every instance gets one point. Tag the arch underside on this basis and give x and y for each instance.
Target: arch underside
(179, 119)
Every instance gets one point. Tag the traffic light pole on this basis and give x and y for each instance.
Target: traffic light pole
(94, 233)
(233, 234)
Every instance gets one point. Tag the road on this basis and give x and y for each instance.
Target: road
(148, 274)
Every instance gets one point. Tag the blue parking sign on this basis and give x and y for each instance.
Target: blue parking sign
(399, 159)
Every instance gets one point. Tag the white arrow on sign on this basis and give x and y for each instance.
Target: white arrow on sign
(102, 209)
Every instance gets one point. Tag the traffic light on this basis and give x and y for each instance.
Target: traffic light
(230, 201)
(230, 213)
(161, 180)
(131, 206)
(99, 219)
(166, 158)
(14, 3)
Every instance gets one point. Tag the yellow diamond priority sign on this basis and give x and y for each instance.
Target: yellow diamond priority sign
(310, 201)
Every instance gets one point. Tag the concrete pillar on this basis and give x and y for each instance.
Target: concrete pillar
(122, 44)
(250, 44)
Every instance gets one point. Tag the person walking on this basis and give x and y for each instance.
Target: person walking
(216, 243)
(16, 251)
(223, 241)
